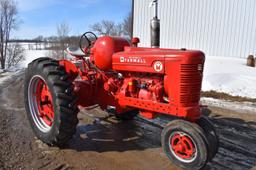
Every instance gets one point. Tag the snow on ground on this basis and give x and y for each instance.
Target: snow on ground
(242, 107)
(31, 55)
(229, 75)
(6, 75)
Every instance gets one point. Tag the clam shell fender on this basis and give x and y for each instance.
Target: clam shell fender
(70, 69)
(104, 48)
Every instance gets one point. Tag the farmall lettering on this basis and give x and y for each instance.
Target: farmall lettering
(132, 60)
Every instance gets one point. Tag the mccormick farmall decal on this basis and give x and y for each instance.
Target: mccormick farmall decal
(132, 60)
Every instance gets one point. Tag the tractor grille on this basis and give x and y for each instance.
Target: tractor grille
(190, 83)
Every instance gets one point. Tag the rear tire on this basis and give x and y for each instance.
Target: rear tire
(185, 144)
(63, 123)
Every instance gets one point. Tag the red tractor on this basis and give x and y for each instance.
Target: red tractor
(112, 72)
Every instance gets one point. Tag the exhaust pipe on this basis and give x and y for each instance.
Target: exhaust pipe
(155, 27)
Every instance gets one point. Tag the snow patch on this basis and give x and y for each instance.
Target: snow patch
(243, 107)
(31, 55)
(6, 75)
(229, 75)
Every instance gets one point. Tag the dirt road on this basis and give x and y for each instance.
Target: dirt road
(105, 143)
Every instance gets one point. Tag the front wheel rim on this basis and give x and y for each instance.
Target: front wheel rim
(40, 103)
(183, 147)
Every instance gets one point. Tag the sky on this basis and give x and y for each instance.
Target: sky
(41, 17)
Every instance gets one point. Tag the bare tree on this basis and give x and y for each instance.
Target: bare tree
(127, 25)
(106, 27)
(118, 30)
(39, 39)
(8, 22)
(63, 30)
(15, 54)
(62, 41)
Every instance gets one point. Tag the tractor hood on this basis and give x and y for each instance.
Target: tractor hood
(153, 60)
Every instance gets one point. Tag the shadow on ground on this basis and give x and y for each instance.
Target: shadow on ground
(109, 134)
(237, 139)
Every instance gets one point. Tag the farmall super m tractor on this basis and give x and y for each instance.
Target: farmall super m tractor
(131, 79)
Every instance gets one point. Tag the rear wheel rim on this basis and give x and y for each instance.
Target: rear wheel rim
(40, 103)
(183, 147)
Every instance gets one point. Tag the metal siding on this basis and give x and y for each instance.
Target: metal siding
(217, 27)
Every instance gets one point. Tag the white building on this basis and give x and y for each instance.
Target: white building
(217, 27)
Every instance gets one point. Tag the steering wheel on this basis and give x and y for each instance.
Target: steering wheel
(86, 41)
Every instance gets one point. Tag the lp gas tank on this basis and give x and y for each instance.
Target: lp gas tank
(103, 50)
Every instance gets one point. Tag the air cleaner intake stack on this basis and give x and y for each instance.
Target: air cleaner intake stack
(155, 27)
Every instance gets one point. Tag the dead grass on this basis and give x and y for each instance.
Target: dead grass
(225, 96)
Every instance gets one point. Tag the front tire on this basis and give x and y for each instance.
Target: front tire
(185, 144)
(50, 102)
(211, 135)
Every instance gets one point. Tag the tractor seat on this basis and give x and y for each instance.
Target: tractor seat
(75, 51)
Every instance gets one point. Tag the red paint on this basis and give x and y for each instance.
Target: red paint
(148, 115)
(135, 41)
(183, 146)
(70, 68)
(104, 48)
(44, 102)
